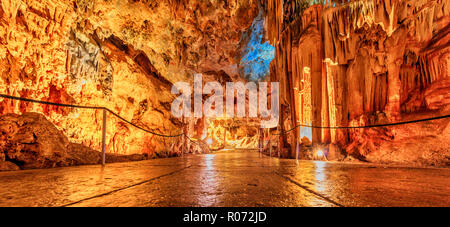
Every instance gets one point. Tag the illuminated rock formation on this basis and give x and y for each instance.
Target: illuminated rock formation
(232, 133)
(364, 63)
(30, 141)
(339, 63)
(123, 55)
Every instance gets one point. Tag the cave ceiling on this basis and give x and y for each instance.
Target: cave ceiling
(179, 38)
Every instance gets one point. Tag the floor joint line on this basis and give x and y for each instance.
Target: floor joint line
(126, 187)
(309, 190)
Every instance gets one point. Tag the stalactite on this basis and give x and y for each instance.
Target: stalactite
(374, 58)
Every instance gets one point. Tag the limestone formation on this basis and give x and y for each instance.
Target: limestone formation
(364, 63)
(123, 55)
(30, 141)
(339, 63)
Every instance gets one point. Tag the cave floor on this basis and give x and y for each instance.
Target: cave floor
(233, 178)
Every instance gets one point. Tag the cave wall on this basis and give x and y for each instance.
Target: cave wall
(361, 63)
(124, 55)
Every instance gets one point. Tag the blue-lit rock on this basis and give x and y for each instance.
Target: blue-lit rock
(256, 55)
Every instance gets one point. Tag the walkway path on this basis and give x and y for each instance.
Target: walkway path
(232, 178)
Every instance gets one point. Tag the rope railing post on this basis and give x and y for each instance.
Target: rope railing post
(270, 143)
(259, 147)
(182, 135)
(183, 141)
(224, 137)
(259, 143)
(104, 138)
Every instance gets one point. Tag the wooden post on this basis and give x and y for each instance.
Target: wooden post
(104, 138)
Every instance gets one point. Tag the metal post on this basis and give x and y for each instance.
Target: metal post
(184, 144)
(104, 138)
(260, 142)
(270, 143)
(224, 137)
(297, 150)
(259, 147)
(270, 147)
(298, 140)
(183, 138)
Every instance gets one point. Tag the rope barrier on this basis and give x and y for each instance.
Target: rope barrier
(181, 134)
(365, 126)
(49, 103)
(143, 129)
(88, 107)
(105, 110)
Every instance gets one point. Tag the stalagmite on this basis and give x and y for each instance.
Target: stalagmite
(364, 63)
(103, 53)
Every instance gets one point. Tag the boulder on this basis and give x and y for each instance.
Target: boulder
(30, 141)
(8, 166)
(306, 142)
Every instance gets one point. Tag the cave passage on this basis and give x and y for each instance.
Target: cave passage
(227, 178)
(225, 103)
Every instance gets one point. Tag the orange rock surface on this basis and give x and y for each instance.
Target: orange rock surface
(123, 55)
(364, 63)
(355, 63)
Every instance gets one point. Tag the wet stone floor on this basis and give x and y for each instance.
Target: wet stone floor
(229, 178)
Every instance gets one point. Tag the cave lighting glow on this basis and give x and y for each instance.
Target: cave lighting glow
(320, 153)
(256, 56)
(306, 132)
